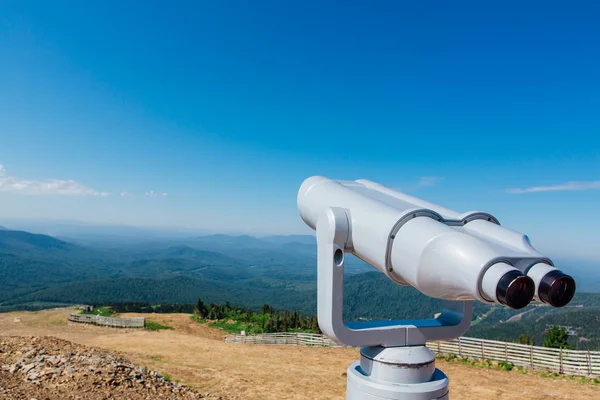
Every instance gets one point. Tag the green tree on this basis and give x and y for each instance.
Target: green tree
(267, 309)
(526, 339)
(556, 338)
(315, 325)
(285, 323)
(199, 309)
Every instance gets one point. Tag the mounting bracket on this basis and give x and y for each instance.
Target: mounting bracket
(333, 239)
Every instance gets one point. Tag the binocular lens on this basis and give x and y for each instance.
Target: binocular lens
(556, 289)
(515, 290)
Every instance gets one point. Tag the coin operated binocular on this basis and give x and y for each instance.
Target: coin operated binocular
(442, 253)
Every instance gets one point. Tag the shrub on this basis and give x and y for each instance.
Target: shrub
(154, 326)
(507, 366)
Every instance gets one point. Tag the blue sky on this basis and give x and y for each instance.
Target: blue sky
(210, 114)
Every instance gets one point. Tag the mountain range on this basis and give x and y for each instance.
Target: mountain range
(38, 271)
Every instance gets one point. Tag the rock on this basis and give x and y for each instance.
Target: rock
(30, 353)
(28, 368)
(60, 369)
(50, 371)
(69, 370)
(33, 375)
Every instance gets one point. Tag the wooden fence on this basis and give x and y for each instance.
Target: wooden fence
(569, 362)
(108, 321)
(285, 338)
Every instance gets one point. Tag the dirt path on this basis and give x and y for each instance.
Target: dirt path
(197, 356)
(519, 316)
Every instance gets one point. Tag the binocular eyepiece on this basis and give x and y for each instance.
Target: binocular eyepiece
(556, 289)
(515, 290)
(553, 287)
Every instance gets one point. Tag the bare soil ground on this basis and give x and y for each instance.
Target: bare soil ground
(45, 367)
(196, 356)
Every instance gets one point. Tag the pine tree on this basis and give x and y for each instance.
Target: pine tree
(526, 339)
(266, 309)
(315, 325)
(212, 311)
(199, 309)
(285, 323)
(271, 324)
(277, 322)
(556, 338)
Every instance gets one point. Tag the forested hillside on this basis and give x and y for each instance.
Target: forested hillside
(30, 262)
(584, 323)
(38, 271)
(180, 289)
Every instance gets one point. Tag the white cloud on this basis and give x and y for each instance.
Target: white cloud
(569, 186)
(126, 194)
(428, 180)
(152, 193)
(63, 187)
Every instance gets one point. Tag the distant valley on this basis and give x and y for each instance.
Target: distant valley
(40, 271)
(37, 269)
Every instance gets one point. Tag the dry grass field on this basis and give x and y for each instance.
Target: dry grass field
(197, 356)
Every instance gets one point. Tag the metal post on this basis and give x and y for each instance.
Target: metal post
(560, 361)
(482, 351)
(531, 355)
(398, 373)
